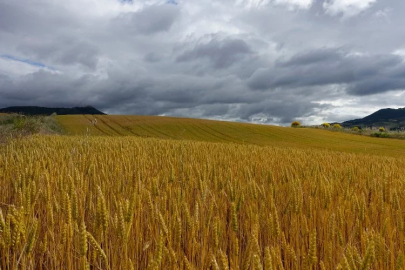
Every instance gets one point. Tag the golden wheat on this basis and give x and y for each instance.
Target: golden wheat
(132, 203)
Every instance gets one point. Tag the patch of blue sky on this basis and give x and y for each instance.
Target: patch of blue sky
(27, 61)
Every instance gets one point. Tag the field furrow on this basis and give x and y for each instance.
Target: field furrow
(241, 133)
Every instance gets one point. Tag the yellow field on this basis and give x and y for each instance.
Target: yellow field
(84, 202)
(216, 131)
(177, 193)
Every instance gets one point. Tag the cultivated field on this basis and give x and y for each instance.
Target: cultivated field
(229, 132)
(101, 202)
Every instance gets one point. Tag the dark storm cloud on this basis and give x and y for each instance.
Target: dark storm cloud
(248, 61)
(378, 84)
(363, 74)
(220, 53)
(177, 96)
(313, 57)
(287, 111)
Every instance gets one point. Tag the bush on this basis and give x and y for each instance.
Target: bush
(18, 122)
(355, 129)
(295, 124)
(380, 135)
(381, 129)
(337, 126)
(16, 125)
(326, 125)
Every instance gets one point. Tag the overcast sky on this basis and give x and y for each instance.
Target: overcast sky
(270, 61)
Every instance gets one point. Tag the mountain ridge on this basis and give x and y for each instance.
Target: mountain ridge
(391, 118)
(37, 110)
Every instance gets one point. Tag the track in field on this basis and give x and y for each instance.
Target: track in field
(230, 132)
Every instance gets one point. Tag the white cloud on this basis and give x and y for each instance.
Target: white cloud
(291, 4)
(252, 3)
(295, 3)
(347, 8)
(13, 68)
(400, 52)
(383, 13)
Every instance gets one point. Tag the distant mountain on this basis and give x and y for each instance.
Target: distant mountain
(35, 110)
(391, 118)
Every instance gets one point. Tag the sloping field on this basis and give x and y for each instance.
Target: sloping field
(218, 131)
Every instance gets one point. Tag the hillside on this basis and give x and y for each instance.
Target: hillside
(391, 118)
(219, 131)
(35, 110)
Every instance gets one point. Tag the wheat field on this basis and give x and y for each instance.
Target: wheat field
(227, 132)
(91, 202)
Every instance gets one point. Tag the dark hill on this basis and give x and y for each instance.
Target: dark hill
(386, 114)
(35, 110)
(392, 118)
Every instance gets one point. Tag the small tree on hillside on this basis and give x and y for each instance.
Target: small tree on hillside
(381, 129)
(326, 125)
(295, 124)
(337, 126)
(355, 129)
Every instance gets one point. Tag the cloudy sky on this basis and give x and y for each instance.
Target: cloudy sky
(270, 61)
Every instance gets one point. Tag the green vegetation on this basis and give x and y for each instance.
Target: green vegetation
(380, 135)
(17, 125)
(326, 125)
(382, 132)
(337, 126)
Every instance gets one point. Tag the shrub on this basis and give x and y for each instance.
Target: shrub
(18, 122)
(337, 126)
(326, 125)
(381, 129)
(355, 129)
(295, 124)
(16, 125)
(380, 135)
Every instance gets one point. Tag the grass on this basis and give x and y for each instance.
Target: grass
(230, 132)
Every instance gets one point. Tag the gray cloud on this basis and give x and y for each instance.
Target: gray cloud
(217, 59)
(149, 20)
(63, 51)
(363, 74)
(220, 53)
